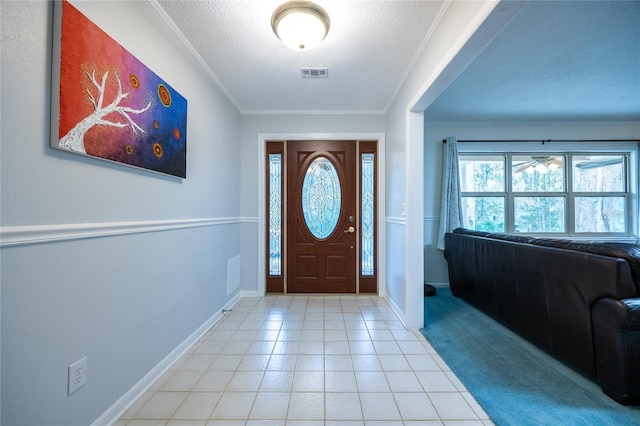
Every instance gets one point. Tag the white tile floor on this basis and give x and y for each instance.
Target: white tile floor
(308, 361)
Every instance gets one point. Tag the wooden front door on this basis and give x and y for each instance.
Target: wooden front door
(321, 227)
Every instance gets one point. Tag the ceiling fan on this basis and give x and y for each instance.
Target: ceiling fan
(545, 163)
(540, 163)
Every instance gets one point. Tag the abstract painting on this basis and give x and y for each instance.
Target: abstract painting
(107, 104)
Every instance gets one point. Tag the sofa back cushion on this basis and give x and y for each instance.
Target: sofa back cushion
(471, 232)
(627, 251)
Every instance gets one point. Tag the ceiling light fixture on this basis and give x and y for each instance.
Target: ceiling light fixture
(301, 25)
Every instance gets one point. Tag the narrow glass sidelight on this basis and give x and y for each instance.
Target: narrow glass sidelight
(321, 198)
(367, 215)
(275, 214)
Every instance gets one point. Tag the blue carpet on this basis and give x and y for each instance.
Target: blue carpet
(514, 382)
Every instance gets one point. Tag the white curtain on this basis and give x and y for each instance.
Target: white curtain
(451, 207)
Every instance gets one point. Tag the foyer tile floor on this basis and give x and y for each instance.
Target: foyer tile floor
(308, 361)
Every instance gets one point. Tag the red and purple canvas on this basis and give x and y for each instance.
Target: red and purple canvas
(111, 105)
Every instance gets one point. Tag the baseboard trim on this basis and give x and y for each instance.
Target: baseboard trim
(397, 311)
(116, 411)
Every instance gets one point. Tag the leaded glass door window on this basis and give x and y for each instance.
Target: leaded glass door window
(321, 198)
(368, 222)
(275, 214)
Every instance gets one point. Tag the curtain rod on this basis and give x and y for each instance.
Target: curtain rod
(543, 141)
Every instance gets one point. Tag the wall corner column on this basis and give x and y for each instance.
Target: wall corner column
(414, 266)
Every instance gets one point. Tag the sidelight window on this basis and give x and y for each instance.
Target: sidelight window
(275, 214)
(367, 212)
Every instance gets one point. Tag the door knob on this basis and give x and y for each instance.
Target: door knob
(351, 230)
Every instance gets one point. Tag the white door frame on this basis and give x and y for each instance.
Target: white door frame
(380, 202)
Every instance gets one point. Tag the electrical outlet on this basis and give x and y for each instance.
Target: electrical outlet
(77, 375)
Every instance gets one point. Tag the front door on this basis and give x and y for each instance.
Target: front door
(321, 209)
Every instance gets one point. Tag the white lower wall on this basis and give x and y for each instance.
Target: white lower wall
(396, 261)
(123, 301)
(435, 265)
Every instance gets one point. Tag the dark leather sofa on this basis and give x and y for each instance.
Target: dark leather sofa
(579, 301)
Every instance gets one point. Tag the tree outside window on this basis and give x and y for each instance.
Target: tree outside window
(545, 193)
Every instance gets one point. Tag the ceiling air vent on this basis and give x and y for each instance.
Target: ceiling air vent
(314, 72)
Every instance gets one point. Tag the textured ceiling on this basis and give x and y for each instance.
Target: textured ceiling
(555, 60)
(368, 51)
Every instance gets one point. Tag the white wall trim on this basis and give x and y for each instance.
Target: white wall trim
(423, 45)
(38, 234)
(116, 411)
(414, 196)
(546, 123)
(312, 112)
(396, 309)
(396, 220)
(458, 57)
(187, 44)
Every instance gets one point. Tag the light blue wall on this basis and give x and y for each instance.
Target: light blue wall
(435, 268)
(125, 301)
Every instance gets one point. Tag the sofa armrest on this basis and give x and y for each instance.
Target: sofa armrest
(616, 339)
(623, 313)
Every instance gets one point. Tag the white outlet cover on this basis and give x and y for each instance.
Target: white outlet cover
(77, 375)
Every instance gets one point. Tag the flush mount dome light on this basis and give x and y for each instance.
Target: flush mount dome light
(301, 25)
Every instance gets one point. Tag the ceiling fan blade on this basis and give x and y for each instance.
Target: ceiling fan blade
(524, 167)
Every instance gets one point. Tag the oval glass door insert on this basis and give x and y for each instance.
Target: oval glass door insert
(321, 198)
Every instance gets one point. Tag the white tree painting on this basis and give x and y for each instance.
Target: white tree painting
(108, 104)
(74, 139)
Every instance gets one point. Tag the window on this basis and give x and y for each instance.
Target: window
(321, 198)
(275, 214)
(547, 193)
(482, 183)
(367, 213)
